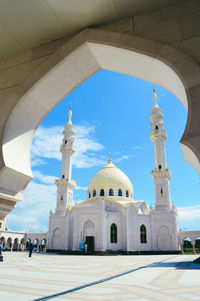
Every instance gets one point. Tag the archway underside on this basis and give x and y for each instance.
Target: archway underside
(66, 69)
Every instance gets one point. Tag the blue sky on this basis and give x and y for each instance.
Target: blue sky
(111, 114)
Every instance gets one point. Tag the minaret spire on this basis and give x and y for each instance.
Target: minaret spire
(65, 184)
(161, 174)
(155, 97)
(70, 115)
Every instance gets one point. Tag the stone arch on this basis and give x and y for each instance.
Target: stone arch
(89, 228)
(187, 245)
(197, 245)
(44, 244)
(22, 244)
(36, 244)
(28, 241)
(3, 240)
(16, 244)
(9, 244)
(164, 239)
(57, 241)
(92, 50)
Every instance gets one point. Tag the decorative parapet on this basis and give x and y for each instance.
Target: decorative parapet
(163, 172)
(64, 182)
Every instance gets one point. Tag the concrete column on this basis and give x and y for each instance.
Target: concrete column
(127, 232)
(104, 230)
(75, 232)
(38, 246)
(182, 251)
(193, 247)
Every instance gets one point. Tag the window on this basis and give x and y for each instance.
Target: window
(102, 192)
(119, 192)
(143, 235)
(94, 193)
(159, 166)
(111, 192)
(61, 197)
(89, 195)
(65, 141)
(127, 194)
(63, 176)
(113, 233)
(156, 127)
(161, 192)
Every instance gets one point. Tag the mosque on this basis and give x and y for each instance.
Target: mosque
(110, 219)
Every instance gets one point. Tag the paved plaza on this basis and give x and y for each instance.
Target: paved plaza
(145, 278)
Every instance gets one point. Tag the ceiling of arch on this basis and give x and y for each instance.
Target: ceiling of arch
(28, 23)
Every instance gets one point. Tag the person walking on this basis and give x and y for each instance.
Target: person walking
(1, 251)
(31, 247)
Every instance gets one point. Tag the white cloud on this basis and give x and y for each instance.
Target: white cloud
(46, 145)
(124, 157)
(81, 188)
(40, 195)
(43, 178)
(32, 213)
(137, 147)
(37, 162)
(189, 213)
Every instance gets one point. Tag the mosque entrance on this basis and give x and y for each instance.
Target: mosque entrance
(89, 240)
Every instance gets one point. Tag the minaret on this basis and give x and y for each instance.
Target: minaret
(65, 184)
(161, 174)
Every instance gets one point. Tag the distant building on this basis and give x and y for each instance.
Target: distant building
(110, 219)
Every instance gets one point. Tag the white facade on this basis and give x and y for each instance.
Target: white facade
(110, 219)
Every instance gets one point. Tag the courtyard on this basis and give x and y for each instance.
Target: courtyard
(141, 278)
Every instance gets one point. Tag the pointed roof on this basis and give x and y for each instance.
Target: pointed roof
(156, 111)
(69, 128)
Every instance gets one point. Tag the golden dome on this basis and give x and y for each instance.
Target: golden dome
(111, 177)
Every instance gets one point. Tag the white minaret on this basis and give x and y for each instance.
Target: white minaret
(65, 184)
(161, 174)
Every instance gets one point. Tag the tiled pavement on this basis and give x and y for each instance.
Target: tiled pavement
(161, 278)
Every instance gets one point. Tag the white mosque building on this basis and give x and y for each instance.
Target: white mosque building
(110, 219)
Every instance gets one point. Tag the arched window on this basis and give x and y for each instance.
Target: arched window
(102, 192)
(119, 192)
(161, 192)
(111, 192)
(113, 233)
(89, 195)
(127, 194)
(143, 235)
(94, 193)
